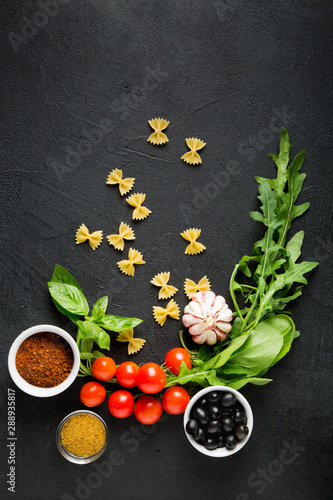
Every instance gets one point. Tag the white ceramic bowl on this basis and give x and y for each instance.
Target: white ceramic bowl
(219, 452)
(33, 390)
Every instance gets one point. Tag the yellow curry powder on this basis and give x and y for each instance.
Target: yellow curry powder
(83, 435)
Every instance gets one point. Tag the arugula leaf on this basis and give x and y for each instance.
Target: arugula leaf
(69, 297)
(117, 323)
(295, 272)
(294, 246)
(281, 161)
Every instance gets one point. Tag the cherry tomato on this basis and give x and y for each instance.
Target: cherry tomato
(175, 399)
(174, 358)
(121, 404)
(127, 374)
(151, 378)
(148, 410)
(92, 394)
(103, 368)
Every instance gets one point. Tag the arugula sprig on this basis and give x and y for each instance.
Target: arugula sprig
(261, 335)
(69, 299)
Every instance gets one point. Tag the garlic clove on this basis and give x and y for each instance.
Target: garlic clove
(197, 328)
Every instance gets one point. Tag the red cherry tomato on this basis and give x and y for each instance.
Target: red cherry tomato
(148, 410)
(103, 368)
(121, 404)
(175, 399)
(174, 358)
(126, 374)
(151, 378)
(92, 394)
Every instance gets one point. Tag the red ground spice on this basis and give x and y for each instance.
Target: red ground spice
(44, 359)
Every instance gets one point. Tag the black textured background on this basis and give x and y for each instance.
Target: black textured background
(233, 73)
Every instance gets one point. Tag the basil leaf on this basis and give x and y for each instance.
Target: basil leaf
(99, 308)
(97, 354)
(96, 333)
(238, 384)
(73, 317)
(221, 358)
(86, 355)
(259, 350)
(285, 325)
(69, 297)
(61, 275)
(118, 323)
(86, 344)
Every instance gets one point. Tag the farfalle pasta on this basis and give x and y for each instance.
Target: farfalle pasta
(94, 239)
(194, 246)
(191, 288)
(116, 177)
(161, 280)
(192, 157)
(161, 313)
(136, 200)
(134, 344)
(158, 137)
(134, 258)
(117, 240)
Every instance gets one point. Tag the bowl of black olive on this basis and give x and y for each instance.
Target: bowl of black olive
(218, 421)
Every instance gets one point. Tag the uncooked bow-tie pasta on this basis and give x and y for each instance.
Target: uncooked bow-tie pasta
(191, 288)
(134, 344)
(192, 157)
(116, 177)
(161, 314)
(158, 137)
(82, 235)
(194, 247)
(136, 200)
(127, 266)
(117, 240)
(166, 291)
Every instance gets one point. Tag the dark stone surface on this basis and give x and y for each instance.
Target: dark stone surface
(232, 73)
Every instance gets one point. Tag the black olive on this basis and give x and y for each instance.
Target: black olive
(210, 444)
(227, 424)
(214, 411)
(192, 426)
(240, 417)
(226, 412)
(241, 432)
(213, 397)
(221, 442)
(201, 414)
(200, 436)
(230, 442)
(202, 401)
(228, 399)
(213, 426)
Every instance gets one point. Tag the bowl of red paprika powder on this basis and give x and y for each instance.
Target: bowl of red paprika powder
(44, 360)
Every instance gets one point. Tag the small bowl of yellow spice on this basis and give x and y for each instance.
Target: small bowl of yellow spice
(82, 437)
